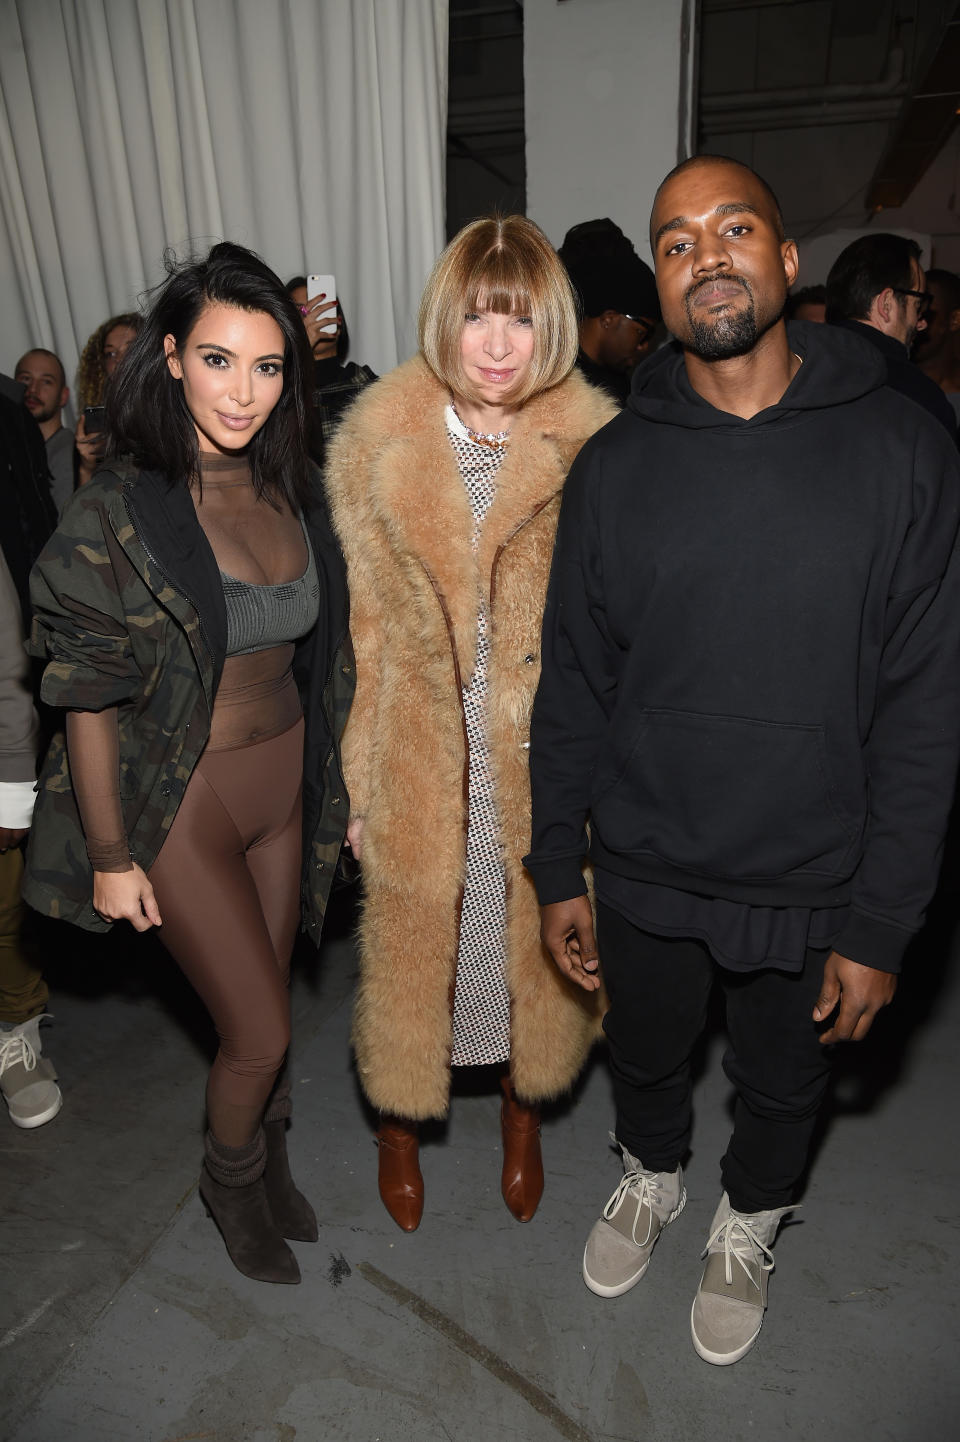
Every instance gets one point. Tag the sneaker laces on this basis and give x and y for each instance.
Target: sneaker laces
(639, 1183)
(14, 1048)
(738, 1240)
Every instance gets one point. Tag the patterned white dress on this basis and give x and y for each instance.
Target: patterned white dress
(481, 1008)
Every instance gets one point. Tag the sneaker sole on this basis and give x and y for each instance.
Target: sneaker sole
(720, 1359)
(599, 1289)
(41, 1118)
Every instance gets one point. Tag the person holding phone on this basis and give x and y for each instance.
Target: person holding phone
(192, 607)
(336, 381)
(99, 360)
(445, 480)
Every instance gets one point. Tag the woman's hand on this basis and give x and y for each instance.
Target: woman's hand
(317, 314)
(90, 449)
(355, 836)
(126, 896)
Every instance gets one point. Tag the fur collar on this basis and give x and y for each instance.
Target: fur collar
(412, 484)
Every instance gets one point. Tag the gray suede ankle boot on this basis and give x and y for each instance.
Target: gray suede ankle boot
(233, 1191)
(293, 1214)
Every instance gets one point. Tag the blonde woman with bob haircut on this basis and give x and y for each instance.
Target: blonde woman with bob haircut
(445, 480)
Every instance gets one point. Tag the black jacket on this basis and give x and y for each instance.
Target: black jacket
(27, 510)
(903, 375)
(751, 652)
(615, 383)
(129, 611)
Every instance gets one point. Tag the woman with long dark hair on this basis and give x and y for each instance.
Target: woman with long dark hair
(192, 606)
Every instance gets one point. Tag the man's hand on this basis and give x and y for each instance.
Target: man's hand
(860, 990)
(10, 835)
(126, 896)
(566, 928)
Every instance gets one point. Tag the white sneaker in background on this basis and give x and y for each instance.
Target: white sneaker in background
(27, 1078)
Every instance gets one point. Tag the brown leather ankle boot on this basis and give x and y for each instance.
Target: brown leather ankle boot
(400, 1179)
(522, 1180)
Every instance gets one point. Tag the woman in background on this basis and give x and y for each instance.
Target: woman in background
(336, 381)
(99, 359)
(445, 479)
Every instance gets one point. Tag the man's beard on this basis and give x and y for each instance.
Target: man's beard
(729, 334)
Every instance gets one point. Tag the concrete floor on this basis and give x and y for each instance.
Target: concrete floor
(121, 1317)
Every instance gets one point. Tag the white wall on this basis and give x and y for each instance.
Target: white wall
(604, 95)
(818, 254)
(934, 207)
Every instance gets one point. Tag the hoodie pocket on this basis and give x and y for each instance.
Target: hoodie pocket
(727, 797)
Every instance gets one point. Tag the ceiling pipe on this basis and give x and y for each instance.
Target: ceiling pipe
(802, 117)
(771, 100)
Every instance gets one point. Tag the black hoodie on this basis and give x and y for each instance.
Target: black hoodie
(751, 650)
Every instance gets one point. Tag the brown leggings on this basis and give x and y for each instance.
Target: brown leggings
(227, 882)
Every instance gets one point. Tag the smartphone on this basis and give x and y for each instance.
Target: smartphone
(323, 285)
(94, 419)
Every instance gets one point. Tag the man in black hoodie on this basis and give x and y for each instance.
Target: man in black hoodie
(751, 691)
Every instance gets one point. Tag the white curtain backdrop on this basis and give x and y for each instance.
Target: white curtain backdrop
(312, 131)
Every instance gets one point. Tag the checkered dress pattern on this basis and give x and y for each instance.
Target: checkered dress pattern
(481, 1008)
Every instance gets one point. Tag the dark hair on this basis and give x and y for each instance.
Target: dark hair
(693, 160)
(949, 283)
(147, 414)
(867, 266)
(343, 339)
(806, 295)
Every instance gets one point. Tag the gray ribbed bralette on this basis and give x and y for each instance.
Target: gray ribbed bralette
(259, 616)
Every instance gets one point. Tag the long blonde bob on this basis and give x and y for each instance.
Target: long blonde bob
(503, 264)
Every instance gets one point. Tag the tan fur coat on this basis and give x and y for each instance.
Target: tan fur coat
(403, 517)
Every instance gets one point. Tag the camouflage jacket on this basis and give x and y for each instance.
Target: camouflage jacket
(129, 611)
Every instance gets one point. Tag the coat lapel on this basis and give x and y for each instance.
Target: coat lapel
(422, 502)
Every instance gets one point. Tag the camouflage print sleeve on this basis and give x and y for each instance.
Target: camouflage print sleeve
(79, 623)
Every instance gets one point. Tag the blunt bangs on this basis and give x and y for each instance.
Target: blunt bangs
(506, 265)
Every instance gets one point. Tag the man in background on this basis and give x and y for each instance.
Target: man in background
(27, 1078)
(46, 393)
(937, 349)
(618, 298)
(807, 303)
(876, 287)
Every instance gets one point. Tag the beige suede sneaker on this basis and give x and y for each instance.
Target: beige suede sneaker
(728, 1309)
(618, 1248)
(28, 1080)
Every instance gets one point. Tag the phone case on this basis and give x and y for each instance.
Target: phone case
(323, 285)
